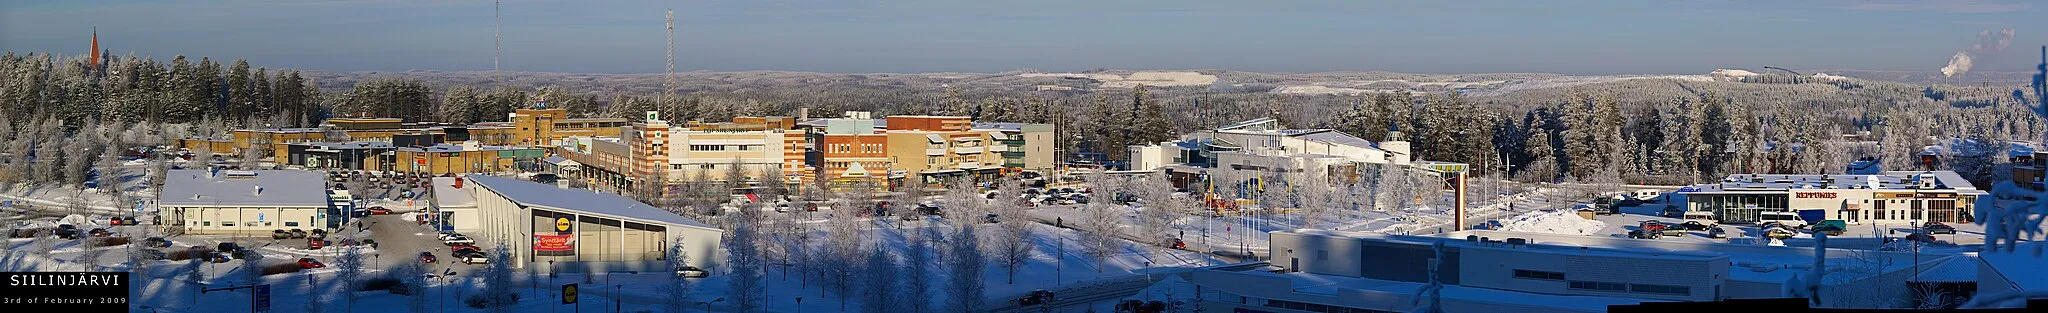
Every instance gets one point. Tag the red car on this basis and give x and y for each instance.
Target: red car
(306, 263)
(426, 257)
(315, 243)
(379, 211)
(463, 247)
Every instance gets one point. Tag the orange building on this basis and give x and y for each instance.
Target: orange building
(541, 127)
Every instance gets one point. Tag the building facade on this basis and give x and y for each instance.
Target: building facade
(1891, 197)
(579, 231)
(244, 202)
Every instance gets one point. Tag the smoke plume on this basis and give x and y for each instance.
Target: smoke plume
(1988, 43)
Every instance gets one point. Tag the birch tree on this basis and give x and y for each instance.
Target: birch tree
(1099, 239)
(1013, 244)
(878, 280)
(744, 256)
(965, 261)
(676, 292)
(917, 271)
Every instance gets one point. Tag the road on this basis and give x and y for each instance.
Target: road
(1156, 241)
(1091, 292)
(403, 240)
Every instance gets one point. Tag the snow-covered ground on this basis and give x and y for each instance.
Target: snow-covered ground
(1553, 222)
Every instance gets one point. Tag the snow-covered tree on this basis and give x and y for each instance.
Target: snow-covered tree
(676, 292)
(349, 271)
(412, 275)
(965, 263)
(841, 248)
(1161, 209)
(1100, 227)
(1012, 246)
(878, 280)
(917, 272)
(498, 279)
(743, 256)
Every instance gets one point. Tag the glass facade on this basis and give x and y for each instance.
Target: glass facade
(1737, 208)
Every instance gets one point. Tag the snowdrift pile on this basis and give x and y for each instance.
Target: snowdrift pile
(1553, 222)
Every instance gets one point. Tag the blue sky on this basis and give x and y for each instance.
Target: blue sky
(1572, 37)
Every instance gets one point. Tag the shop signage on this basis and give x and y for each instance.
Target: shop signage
(562, 224)
(555, 243)
(1814, 195)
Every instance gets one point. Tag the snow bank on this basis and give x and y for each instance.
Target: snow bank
(1553, 222)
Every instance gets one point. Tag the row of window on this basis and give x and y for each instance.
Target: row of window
(1312, 307)
(870, 148)
(1635, 288)
(1539, 275)
(232, 224)
(725, 147)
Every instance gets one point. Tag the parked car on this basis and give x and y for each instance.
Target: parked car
(1653, 226)
(315, 243)
(280, 234)
(226, 247)
(1938, 228)
(245, 254)
(1831, 227)
(378, 210)
(464, 247)
(782, 207)
(458, 253)
(1779, 233)
(99, 232)
(426, 257)
(156, 242)
(1694, 225)
(1717, 232)
(445, 235)
(1175, 243)
(459, 241)
(310, 263)
(297, 233)
(692, 272)
(1673, 230)
(66, 231)
(153, 254)
(1036, 297)
(990, 218)
(317, 234)
(475, 259)
(1641, 233)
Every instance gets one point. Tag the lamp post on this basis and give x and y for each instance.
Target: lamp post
(707, 304)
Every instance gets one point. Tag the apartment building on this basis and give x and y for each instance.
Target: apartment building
(542, 126)
(847, 151)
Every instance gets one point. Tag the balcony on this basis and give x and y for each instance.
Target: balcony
(935, 151)
(998, 148)
(970, 165)
(967, 150)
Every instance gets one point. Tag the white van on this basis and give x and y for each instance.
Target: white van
(1703, 217)
(1782, 217)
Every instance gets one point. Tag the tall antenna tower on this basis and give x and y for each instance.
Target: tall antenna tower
(495, 42)
(670, 86)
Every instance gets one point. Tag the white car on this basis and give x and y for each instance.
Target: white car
(449, 235)
(692, 272)
(475, 259)
(459, 241)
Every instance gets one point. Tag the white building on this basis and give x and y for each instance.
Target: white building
(454, 204)
(1890, 197)
(1493, 271)
(244, 202)
(1262, 143)
(584, 231)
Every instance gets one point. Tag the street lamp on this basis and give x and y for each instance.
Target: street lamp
(707, 304)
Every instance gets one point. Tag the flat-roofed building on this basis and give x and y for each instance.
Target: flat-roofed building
(244, 202)
(1891, 197)
(583, 231)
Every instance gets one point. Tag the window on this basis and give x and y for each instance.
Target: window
(1539, 275)
(707, 148)
(291, 224)
(1660, 289)
(1596, 286)
(205, 223)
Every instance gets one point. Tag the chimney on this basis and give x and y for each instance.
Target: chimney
(803, 114)
(259, 190)
(458, 183)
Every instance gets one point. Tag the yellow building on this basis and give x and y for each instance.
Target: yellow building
(470, 158)
(538, 127)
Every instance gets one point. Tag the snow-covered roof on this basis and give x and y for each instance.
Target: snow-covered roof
(2026, 270)
(549, 196)
(447, 196)
(1950, 269)
(1891, 180)
(1353, 291)
(1341, 138)
(555, 159)
(279, 188)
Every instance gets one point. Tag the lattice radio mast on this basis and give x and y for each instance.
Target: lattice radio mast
(670, 85)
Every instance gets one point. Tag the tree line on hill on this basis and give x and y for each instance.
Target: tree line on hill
(1646, 130)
